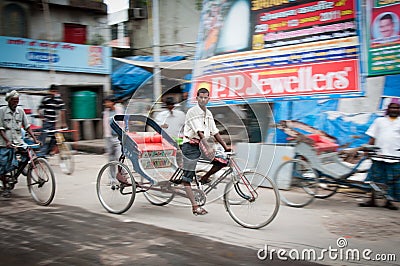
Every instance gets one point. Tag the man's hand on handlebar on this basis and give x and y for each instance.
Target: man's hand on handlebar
(206, 148)
(369, 148)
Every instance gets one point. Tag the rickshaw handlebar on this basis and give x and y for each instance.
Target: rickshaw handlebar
(372, 150)
(35, 145)
(55, 130)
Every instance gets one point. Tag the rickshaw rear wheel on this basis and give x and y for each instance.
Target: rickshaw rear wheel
(159, 195)
(297, 182)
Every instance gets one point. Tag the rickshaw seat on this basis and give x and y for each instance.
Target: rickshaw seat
(322, 144)
(140, 139)
(151, 142)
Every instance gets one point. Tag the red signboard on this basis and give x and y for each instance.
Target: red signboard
(308, 79)
(304, 15)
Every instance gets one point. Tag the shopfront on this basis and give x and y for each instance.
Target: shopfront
(31, 66)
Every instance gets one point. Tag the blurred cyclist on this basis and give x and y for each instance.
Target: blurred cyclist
(12, 120)
(51, 106)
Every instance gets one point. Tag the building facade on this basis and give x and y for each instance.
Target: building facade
(58, 42)
(118, 22)
(178, 27)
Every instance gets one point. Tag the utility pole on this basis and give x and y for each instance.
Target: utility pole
(46, 12)
(131, 27)
(157, 91)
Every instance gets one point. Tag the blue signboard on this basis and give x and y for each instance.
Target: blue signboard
(58, 56)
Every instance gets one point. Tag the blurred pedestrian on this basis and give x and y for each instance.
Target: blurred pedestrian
(113, 145)
(172, 120)
(50, 109)
(385, 134)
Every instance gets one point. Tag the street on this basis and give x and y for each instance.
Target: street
(67, 235)
(76, 230)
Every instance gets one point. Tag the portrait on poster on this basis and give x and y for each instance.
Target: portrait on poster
(385, 28)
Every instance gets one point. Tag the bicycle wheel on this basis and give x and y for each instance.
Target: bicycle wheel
(297, 183)
(159, 195)
(326, 188)
(116, 187)
(41, 181)
(252, 200)
(66, 159)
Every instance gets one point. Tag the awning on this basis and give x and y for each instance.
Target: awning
(132, 72)
(175, 69)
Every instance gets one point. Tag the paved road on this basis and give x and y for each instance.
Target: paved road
(68, 235)
(76, 230)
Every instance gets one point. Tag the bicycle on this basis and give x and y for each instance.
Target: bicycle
(250, 198)
(40, 176)
(63, 149)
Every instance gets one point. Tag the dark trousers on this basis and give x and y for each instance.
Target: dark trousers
(48, 140)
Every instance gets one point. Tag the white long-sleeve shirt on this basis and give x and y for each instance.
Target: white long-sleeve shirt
(175, 121)
(387, 135)
(107, 115)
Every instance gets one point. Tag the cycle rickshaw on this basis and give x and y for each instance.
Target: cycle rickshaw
(317, 169)
(149, 165)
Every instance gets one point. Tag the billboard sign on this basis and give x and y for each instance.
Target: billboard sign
(279, 50)
(383, 37)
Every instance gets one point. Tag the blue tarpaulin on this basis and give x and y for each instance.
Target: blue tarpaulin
(349, 129)
(126, 78)
(392, 88)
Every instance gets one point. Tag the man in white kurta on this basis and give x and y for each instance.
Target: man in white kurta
(171, 120)
(385, 133)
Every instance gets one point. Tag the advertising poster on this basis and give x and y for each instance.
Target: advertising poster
(257, 51)
(383, 37)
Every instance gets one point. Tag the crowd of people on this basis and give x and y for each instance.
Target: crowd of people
(191, 131)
